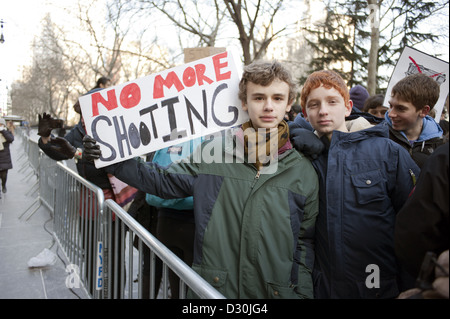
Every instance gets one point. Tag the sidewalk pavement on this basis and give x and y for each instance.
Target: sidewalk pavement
(24, 234)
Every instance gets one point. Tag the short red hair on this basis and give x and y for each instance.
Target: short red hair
(329, 79)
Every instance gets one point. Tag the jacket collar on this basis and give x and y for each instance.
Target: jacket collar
(380, 130)
(430, 128)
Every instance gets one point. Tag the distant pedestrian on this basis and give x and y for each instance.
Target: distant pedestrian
(358, 95)
(102, 83)
(6, 138)
(11, 127)
(295, 110)
(374, 105)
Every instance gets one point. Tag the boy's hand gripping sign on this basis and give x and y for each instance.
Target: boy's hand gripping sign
(163, 109)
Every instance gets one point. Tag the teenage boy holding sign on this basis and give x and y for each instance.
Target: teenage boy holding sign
(255, 210)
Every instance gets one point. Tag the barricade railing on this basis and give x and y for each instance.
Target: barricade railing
(98, 240)
(78, 228)
(129, 240)
(110, 254)
(43, 168)
(33, 159)
(33, 155)
(24, 159)
(47, 181)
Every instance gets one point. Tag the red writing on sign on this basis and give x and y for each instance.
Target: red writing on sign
(130, 95)
(191, 76)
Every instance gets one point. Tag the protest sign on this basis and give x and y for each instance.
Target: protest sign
(164, 109)
(412, 61)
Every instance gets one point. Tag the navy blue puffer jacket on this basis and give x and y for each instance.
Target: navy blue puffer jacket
(364, 180)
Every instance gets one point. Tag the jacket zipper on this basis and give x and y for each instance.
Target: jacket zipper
(258, 173)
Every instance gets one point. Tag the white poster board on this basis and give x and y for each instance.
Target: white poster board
(164, 109)
(412, 61)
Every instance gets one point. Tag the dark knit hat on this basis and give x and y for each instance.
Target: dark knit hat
(358, 94)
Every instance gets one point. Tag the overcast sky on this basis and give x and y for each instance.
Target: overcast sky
(22, 22)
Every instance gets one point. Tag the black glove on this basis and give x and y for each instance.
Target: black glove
(91, 149)
(305, 141)
(47, 124)
(62, 146)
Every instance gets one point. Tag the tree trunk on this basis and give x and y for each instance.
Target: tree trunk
(372, 70)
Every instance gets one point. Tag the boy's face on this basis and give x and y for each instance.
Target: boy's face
(404, 115)
(267, 105)
(378, 111)
(326, 110)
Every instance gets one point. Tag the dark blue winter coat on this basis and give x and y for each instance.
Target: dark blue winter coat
(365, 178)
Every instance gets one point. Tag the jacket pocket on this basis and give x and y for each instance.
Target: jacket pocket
(369, 187)
(277, 291)
(215, 277)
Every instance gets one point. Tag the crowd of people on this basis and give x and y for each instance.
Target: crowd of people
(358, 199)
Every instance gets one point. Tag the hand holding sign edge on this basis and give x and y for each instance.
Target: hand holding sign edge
(91, 149)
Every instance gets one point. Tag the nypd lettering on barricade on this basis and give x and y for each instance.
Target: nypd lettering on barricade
(99, 272)
(164, 109)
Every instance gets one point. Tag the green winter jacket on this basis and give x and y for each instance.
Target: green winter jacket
(254, 230)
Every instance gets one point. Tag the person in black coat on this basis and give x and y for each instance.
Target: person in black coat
(422, 225)
(6, 138)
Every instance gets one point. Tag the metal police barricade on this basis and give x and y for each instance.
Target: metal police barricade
(122, 232)
(78, 227)
(45, 181)
(22, 139)
(33, 155)
(25, 164)
(33, 160)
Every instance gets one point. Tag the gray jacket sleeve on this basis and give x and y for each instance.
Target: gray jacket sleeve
(174, 181)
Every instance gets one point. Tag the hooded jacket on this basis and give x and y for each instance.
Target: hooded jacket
(430, 138)
(254, 230)
(364, 179)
